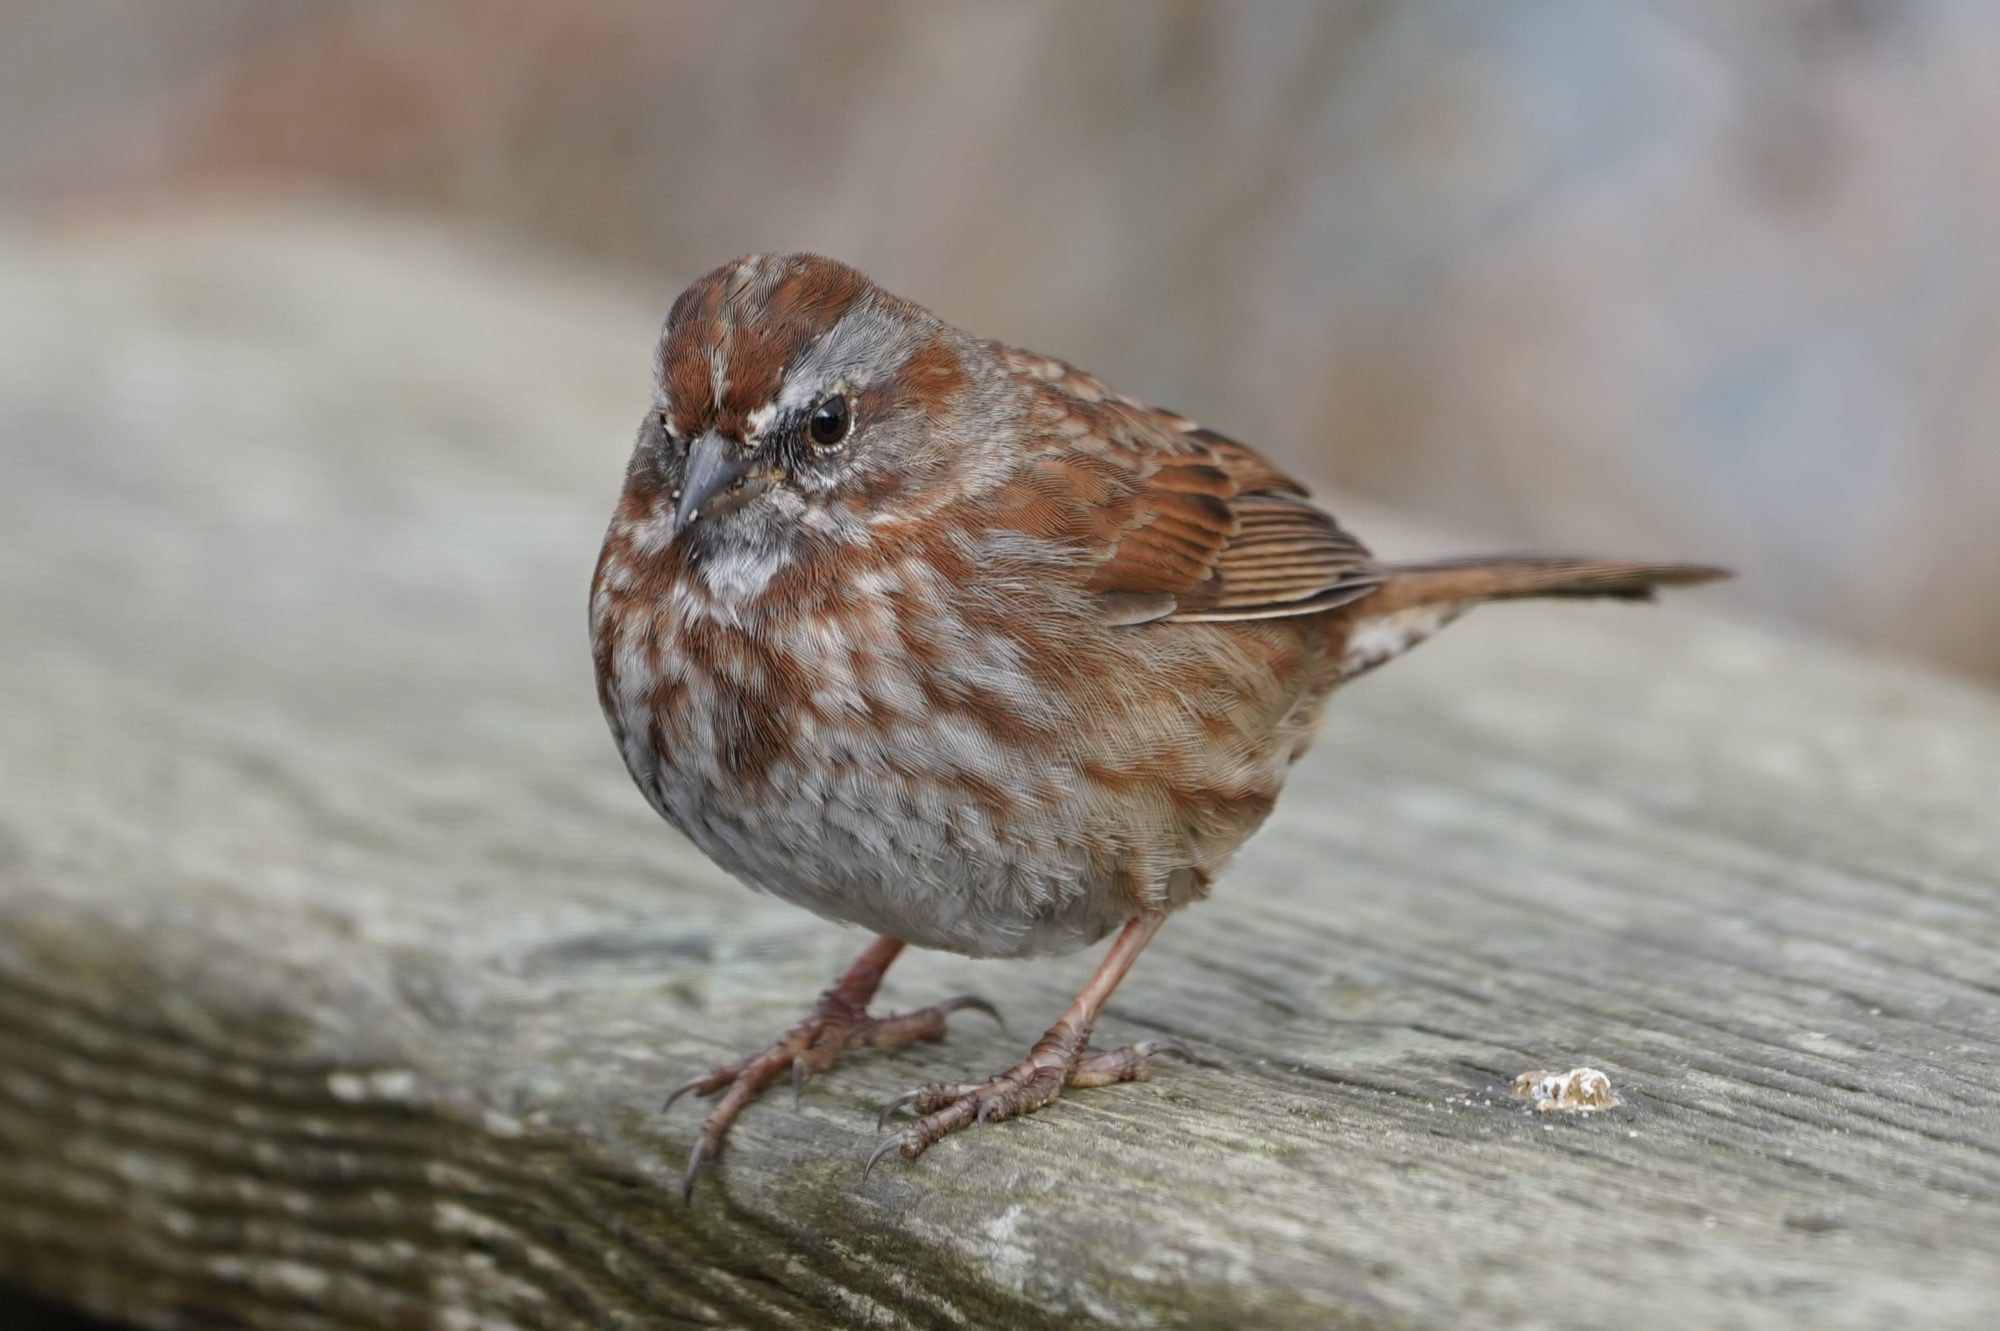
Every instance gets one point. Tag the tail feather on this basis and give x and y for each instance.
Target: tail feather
(1505, 577)
(1414, 601)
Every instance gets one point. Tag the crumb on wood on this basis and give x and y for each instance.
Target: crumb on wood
(1580, 1090)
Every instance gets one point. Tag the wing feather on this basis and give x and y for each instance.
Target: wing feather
(1178, 522)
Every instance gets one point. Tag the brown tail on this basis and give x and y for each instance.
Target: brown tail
(1503, 577)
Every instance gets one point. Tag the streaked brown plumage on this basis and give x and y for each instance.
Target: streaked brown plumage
(950, 640)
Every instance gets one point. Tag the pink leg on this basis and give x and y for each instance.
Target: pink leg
(838, 1023)
(1056, 1060)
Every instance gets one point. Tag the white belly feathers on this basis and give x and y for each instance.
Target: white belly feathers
(871, 805)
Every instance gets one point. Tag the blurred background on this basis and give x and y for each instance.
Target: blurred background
(1696, 278)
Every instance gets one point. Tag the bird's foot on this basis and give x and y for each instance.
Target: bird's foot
(811, 1047)
(1058, 1060)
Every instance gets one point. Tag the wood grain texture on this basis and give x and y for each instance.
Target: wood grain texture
(341, 968)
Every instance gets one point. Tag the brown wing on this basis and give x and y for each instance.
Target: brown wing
(1182, 523)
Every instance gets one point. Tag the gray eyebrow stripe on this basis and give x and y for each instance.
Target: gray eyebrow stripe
(865, 345)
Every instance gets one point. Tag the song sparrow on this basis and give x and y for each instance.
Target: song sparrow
(952, 641)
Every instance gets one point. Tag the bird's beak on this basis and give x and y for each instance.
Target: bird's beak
(713, 465)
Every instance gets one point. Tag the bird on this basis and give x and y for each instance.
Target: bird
(952, 641)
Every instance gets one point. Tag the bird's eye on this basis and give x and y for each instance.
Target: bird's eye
(827, 425)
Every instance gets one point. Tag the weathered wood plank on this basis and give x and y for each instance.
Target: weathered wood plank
(341, 969)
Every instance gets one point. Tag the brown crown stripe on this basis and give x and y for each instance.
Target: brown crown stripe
(755, 315)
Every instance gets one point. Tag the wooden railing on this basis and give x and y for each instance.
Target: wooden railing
(342, 969)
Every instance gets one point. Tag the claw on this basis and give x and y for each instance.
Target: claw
(888, 1144)
(896, 1102)
(1168, 1045)
(839, 1023)
(974, 1003)
(691, 1084)
(693, 1169)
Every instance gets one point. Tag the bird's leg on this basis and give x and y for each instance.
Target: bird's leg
(1057, 1060)
(838, 1022)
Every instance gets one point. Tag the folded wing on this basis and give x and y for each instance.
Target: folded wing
(1178, 522)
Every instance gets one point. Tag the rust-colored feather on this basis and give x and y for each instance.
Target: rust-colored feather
(869, 683)
(1182, 523)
